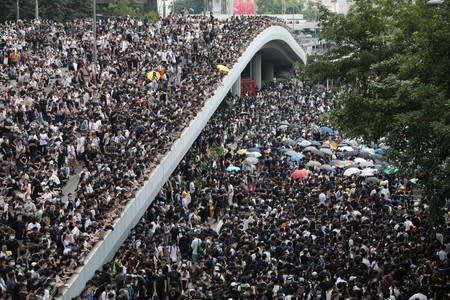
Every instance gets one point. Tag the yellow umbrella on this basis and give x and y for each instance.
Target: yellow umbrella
(223, 68)
(242, 151)
(151, 74)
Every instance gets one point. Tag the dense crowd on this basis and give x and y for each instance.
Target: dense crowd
(235, 222)
(110, 122)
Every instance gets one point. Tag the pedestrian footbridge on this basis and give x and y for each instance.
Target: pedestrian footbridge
(273, 47)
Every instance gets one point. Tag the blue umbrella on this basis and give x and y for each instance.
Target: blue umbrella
(343, 145)
(327, 129)
(316, 143)
(340, 154)
(325, 146)
(288, 142)
(300, 139)
(328, 168)
(297, 157)
(283, 150)
(232, 168)
(254, 149)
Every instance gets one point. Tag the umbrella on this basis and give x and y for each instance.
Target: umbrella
(364, 154)
(297, 157)
(152, 74)
(327, 129)
(242, 151)
(359, 160)
(350, 153)
(367, 164)
(254, 149)
(332, 144)
(328, 168)
(346, 148)
(372, 180)
(340, 155)
(363, 148)
(389, 170)
(326, 151)
(341, 163)
(254, 154)
(316, 143)
(305, 143)
(222, 68)
(310, 149)
(283, 127)
(367, 172)
(300, 139)
(251, 161)
(352, 171)
(232, 168)
(285, 122)
(297, 174)
(291, 152)
(289, 142)
(313, 164)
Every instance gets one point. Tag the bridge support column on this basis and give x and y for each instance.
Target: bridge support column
(255, 70)
(236, 88)
(268, 71)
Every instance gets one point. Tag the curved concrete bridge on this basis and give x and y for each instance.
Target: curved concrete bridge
(273, 47)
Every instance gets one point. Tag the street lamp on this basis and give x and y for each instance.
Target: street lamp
(36, 9)
(94, 52)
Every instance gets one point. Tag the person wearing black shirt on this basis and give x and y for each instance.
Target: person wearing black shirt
(19, 227)
(161, 284)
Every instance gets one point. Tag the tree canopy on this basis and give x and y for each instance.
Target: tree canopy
(392, 58)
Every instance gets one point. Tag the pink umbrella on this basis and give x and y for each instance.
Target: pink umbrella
(298, 174)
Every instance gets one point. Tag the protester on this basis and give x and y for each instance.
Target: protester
(61, 117)
(326, 235)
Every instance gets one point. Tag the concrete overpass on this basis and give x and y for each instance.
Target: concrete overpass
(274, 45)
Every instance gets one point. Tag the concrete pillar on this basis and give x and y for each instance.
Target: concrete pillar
(236, 89)
(255, 70)
(268, 71)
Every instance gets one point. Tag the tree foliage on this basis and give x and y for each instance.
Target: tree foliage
(122, 8)
(276, 6)
(56, 10)
(191, 6)
(393, 58)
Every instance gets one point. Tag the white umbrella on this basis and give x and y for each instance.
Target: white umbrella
(368, 172)
(359, 160)
(367, 164)
(352, 171)
(254, 154)
(250, 161)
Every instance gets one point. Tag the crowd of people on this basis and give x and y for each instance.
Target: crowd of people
(112, 115)
(235, 221)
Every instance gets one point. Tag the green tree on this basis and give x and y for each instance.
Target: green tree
(393, 57)
(276, 6)
(122, 8)
(192, 6)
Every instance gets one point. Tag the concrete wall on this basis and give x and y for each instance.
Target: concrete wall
(105, 250)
